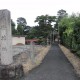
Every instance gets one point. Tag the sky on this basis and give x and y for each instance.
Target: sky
(30, 9)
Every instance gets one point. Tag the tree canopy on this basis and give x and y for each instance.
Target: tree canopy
(13, 27)
(21, 21)
(44, 24)
(21, 26)
(60, 14)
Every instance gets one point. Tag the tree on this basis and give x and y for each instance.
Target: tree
(33, 32)
(61, 13)
(65, 29)
(13, 27)
(19, 30)
(45, 26)
(21, 25)
(45, 20)
(26, 30)
(21, 21)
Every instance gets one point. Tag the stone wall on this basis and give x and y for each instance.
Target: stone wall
(24, 49)
(19, 49)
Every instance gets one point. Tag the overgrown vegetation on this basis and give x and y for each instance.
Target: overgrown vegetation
(69, 30)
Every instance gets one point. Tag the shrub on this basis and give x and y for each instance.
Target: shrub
(78, 53)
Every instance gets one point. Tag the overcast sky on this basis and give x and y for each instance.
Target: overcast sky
(30, 9)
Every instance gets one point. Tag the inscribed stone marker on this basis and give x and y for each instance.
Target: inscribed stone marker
(5, 38)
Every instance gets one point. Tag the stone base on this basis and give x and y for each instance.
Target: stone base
(11, 72)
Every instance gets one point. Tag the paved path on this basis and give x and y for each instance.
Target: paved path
(55, 66)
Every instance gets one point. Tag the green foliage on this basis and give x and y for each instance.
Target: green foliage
(45, 26)
(20, 30)
(26, 30)
(14, 31)
(78, 53)
(61, 14)
(21, 26)
(33, 33)
(69, 30)
(21, 21)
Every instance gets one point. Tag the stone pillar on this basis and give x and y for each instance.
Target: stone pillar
(5, 38)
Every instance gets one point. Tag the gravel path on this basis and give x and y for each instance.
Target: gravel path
(55, 66)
